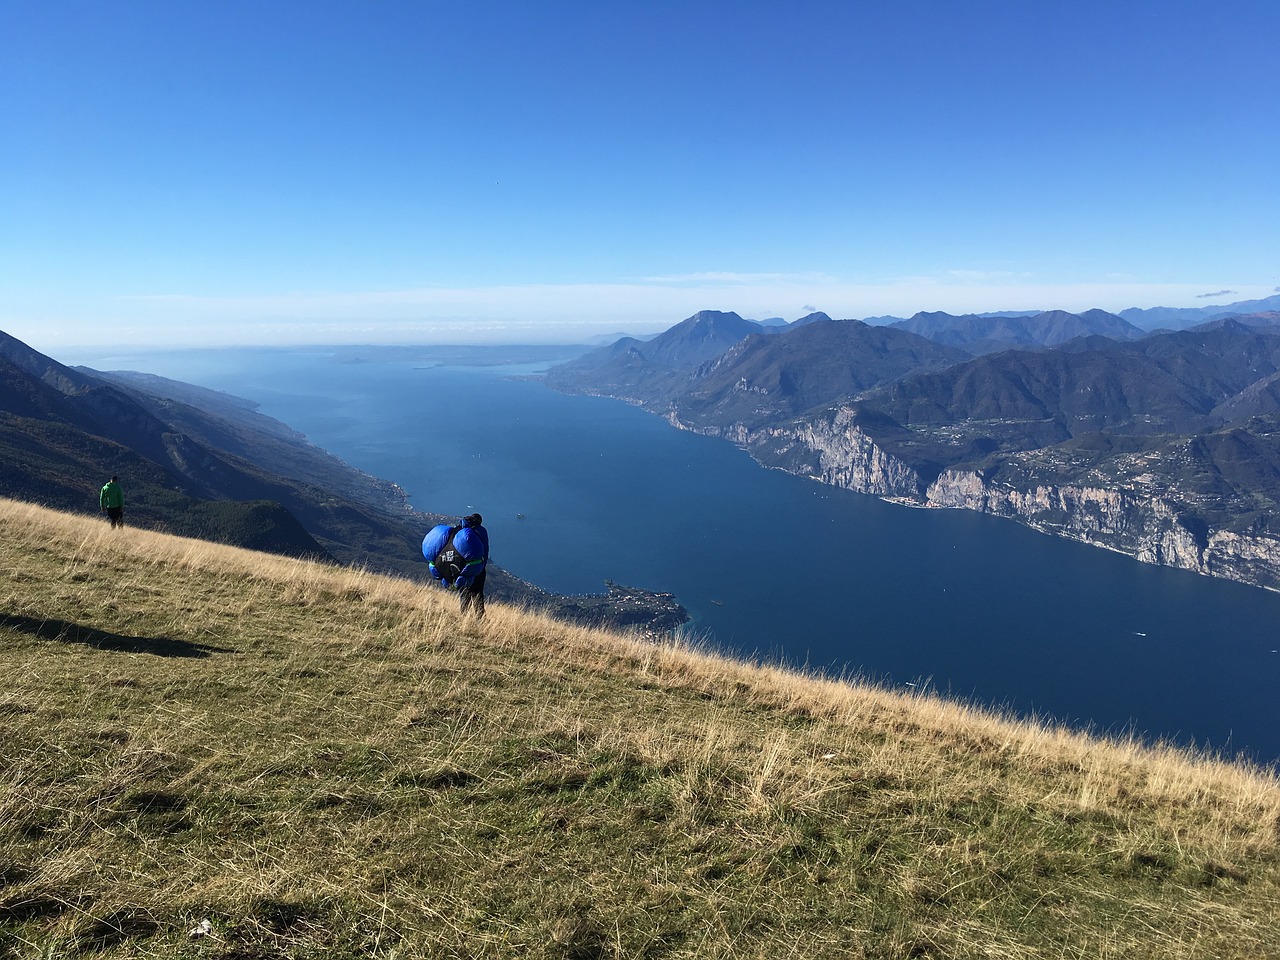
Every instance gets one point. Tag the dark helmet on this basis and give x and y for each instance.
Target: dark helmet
(473, 520)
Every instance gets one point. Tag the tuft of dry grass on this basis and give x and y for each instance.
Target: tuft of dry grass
(322, 762)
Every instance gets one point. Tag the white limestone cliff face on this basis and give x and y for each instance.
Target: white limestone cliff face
(1144, 526)
(849, 458)
(846, 457)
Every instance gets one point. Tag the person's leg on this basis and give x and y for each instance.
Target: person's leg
(472, 595)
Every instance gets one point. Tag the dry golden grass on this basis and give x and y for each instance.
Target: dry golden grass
(323, 762)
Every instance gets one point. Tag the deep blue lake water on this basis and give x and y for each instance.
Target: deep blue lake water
(774, 565)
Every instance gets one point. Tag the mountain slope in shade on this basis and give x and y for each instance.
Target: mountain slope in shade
(816, 362)
(1171, 383)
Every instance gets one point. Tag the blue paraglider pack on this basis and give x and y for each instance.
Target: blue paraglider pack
(453, 552)
(437, 539)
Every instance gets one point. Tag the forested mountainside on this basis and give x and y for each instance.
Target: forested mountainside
(1165, 446)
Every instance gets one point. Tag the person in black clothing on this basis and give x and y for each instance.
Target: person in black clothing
(471, 594)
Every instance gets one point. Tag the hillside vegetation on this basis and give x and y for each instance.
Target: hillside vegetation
(208, 752)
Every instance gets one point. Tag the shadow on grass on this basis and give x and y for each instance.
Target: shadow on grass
(65, 632)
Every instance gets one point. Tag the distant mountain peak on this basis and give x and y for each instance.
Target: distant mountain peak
(815, 317)
(933, 316)
(714, 316)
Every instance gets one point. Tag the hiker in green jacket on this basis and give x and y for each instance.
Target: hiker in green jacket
(112, 500)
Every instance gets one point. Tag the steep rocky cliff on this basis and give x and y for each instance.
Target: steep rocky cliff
(1153, 529)
(1159, 528)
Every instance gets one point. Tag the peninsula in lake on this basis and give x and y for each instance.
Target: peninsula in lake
(1163, 444)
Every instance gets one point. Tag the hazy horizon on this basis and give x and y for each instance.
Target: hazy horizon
(591, 337)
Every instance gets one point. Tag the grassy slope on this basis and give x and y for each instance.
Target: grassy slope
(327, 763)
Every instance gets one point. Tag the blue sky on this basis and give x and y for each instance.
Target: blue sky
(380, 171)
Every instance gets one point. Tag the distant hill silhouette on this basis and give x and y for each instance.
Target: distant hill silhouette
(982, 334)
(1179, 318)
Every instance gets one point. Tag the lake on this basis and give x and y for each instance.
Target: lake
(777, 566)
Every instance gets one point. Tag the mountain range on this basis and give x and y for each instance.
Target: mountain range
(984, 333)
(1164, 445)
(1144, 319)
(1179, 318)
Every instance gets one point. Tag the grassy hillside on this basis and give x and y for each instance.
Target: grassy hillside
(326, 763)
